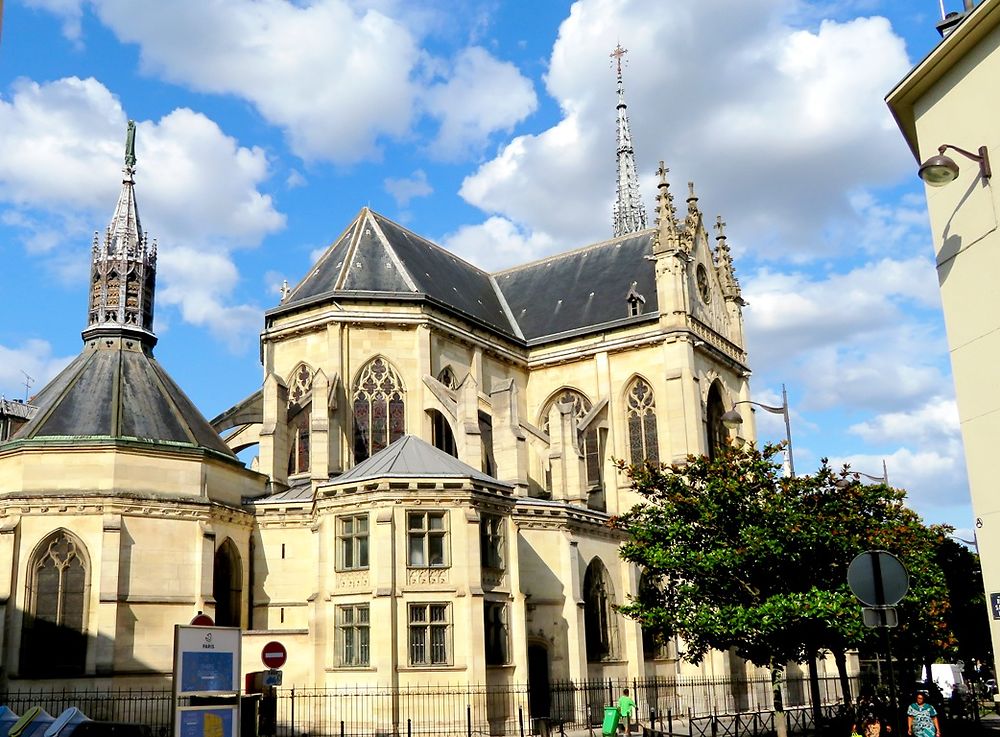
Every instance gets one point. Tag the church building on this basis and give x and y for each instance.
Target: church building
(435, 469)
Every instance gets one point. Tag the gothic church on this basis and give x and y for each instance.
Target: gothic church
(435, 461)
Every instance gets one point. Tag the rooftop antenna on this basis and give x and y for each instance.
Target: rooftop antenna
(28, 381)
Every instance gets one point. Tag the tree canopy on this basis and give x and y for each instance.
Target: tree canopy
(734, 554)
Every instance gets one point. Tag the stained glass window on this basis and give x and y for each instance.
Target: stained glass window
(640, 411)
(379, 409)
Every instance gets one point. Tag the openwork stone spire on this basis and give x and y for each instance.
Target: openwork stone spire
(123, 267)
(629, 213)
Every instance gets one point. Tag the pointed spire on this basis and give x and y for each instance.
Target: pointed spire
(665, 212)
(629, 213)
(724, 260)
(123, 267)
(693, 213)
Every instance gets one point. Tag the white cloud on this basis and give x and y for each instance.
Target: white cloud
(934, 423)
(69, 11)
(61, 148)
(404, 189)
(34, 357)
(339, 77)
(775, 124)
(495, 244)
(481, 96)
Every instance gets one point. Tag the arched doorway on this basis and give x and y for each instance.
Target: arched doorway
(539, 688)
(227, 585)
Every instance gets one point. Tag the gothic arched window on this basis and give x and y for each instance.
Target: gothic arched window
(448, 378)
(640, 412)
(53, 641)
(299, 415)
(227, 585)
(590, 440)
(378, 408)
(717, 432)
(442, 437)
(598, 612)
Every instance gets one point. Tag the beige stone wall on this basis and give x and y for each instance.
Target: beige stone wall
(959, 108)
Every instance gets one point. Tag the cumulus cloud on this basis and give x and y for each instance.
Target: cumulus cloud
(496, 243)
(61, 150)
(723, 92)
(336, 76)
(404, 189)
(35, 358)
(482, 95)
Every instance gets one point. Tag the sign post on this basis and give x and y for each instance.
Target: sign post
(879, 579)
(206, 681)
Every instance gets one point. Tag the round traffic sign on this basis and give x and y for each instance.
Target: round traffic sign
(878, 578)
(274, 654)
(202, 620)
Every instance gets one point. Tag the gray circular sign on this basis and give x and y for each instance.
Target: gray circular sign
(878, 578)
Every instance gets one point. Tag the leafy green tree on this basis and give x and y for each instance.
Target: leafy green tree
(743, 557)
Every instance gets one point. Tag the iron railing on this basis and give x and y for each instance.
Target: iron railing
(696, 706)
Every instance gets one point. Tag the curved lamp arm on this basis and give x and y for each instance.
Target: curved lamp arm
(732, 419)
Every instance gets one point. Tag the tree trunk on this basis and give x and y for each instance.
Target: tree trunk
(780, 725)
(814, 690)
(840, 658)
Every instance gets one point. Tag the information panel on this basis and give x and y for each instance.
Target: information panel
(206, 660)
(207, 721)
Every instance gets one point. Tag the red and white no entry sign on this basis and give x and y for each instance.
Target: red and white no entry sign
(274, 654)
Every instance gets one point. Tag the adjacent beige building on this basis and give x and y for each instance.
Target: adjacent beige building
(948, 101)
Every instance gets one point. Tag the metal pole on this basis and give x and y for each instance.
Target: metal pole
(788, 431)
(892, 682)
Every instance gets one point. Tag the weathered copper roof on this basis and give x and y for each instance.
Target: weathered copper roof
(116, 390)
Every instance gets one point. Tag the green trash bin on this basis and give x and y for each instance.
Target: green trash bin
(611, 719)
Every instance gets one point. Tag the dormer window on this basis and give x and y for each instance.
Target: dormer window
(635, 301)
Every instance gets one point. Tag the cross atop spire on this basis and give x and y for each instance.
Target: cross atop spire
(629, 214)
(123, 267)
(618, 54)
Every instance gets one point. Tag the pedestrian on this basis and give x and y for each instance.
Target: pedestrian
(922, 718)
(870, 722)
(625, 707)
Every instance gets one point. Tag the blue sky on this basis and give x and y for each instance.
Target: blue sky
(264, 125)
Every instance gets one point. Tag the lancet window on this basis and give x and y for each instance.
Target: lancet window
(379, 417)
(227, 585)
(299, 417)
(52, 636)
(640, 413)
(598, 612)
(717, 433)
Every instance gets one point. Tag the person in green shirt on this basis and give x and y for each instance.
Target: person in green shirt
(626, 706)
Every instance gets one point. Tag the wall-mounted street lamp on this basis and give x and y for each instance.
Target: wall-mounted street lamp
(939, 170)
(732, 419)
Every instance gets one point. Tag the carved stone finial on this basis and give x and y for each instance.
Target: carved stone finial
(720, 228)
(284, 290)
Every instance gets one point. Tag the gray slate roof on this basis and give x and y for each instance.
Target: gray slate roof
(411, 457)
(580, 290)
(120, 392)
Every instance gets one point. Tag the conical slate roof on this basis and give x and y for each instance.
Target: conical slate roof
(116, 390)
(411, 457)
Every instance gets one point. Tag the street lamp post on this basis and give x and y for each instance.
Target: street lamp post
(732, 419)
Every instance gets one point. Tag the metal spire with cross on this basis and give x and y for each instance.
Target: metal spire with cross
(629, 212)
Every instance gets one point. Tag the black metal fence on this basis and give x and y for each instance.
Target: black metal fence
(151, 707)
(700, 707)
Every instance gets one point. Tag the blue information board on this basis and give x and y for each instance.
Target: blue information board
(206, 671)
(207, 721)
